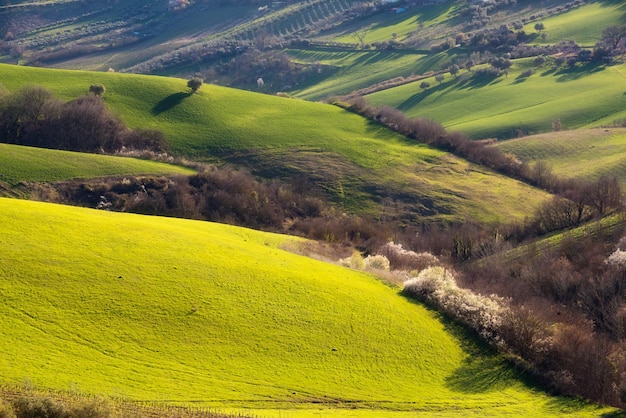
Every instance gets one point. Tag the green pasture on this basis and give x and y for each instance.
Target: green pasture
(502, 107)
(584, 153)
(26, 164)
(357, 69)
(360, 164)
(188, 312)
(583, 24)
(380, 28)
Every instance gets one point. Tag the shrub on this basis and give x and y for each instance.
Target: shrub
(39, 408)
(617, 259)
(401, 259)
(437, 286)
(355, 261)
(6, 410)
(376, 262)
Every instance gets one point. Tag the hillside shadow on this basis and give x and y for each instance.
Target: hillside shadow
(483, 370)
(169, 102)
(481, 373)
(418, 97)
(578, 72)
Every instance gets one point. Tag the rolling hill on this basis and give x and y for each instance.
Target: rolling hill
(170, 310)
(503, 107)
(584, 153)
(361, 166)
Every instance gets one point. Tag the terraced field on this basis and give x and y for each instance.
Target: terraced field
(184, 312)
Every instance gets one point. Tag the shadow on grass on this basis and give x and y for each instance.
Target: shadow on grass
(169, 102)
(483, 370)
(578, 71)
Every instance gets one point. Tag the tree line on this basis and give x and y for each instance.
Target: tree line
(33, 116)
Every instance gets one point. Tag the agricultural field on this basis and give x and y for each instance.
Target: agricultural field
(584, 25)
(583, 153)
(26, 164)
(361, 165)
(354, 70)
(505, 106)
(103, 303)
(419, 21)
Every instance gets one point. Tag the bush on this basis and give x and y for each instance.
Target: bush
(437, 286)
(401, 259)
(6, 410)
(376, 262)
(39, 408)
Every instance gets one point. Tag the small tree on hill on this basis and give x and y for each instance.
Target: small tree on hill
(97, 89)
(194, 84)
(454, 70)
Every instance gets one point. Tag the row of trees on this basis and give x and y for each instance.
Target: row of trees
(33, 116)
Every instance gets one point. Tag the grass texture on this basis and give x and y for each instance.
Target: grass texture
(502, 107)
(358, 162)
(187, 312)
(584, 24)
(27, 164)
(585, 153)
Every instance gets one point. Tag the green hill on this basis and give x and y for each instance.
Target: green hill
(26, 164)
(484, 107)
(360, 165)
(585, 153)
(186, 312)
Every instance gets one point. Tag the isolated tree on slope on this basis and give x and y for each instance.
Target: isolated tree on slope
(194, 84)
(97, 89)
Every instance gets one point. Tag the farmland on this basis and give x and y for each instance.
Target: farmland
(585, 153)
(502, 107)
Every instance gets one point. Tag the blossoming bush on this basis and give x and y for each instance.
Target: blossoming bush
(376, 262)
(401, 259)
(437, 286)
(617, 259)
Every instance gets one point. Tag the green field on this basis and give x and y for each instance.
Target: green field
(383, 27)
(353, 70)
(360, 164)
(160, 309)
(585, 153)
(502, 107)
(26, 164)
(583, 25)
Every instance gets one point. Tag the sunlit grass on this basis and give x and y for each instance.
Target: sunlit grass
(586, 153)
(583, 24)
(506, 106)
(27, 164)
(161, 309)
(349, 155)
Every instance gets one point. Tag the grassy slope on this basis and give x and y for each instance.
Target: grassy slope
(382, 27)
(185, 311)
(347, 154)
(586, 153)
(353, 70)
(19, 164)
(498, 107)
(583, 25)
